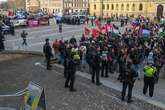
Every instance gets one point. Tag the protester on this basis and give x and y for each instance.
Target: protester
(55, 46)
(128, 79)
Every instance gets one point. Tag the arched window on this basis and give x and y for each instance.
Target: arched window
(127, 7)
(112, 7)
(122, 6)
(140, 7)
(117, 7)
(95, 7)
(133, 7)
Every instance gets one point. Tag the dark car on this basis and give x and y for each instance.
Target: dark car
(7, 29)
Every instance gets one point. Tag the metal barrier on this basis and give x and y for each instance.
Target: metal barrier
(13, 101)
(31, 98)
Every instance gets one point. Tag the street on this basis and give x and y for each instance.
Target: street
(36, 36)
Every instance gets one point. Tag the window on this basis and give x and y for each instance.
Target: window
(117, 7)
(103, 6)
(122, 6)
(127, 7)
(133, 7)
(95, 7)
(140, 7)
(112, 7)
(107, 6)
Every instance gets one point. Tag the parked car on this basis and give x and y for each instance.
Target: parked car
(19, 22)
(5, 28)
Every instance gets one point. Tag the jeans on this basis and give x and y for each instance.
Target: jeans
(130, 86)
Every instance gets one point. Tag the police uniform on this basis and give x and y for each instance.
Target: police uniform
(149, 79)
(48, 53)
(70, 80)
(66, 61)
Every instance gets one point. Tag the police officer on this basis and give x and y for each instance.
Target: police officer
(128, 79)
(96, 62)
(48, 53)
(149, 79)
(73, 62)
(24, 36)
(67, 57)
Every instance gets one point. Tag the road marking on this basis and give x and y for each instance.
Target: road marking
(44, 27)
(48, 35)
(50, 29)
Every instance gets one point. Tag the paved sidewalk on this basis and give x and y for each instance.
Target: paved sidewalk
(159, 94)
(18, 72)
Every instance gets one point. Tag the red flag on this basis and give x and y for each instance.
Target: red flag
(86, 31)
(141, 29)
(98, 24)
(103, 29)
(95, 33)
(107, 27)
(134, 28)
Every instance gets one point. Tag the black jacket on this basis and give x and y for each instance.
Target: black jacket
(47, 50)
(129, 75)
(96, 61)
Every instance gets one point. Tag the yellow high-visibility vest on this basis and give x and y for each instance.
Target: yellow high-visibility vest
(149, 71)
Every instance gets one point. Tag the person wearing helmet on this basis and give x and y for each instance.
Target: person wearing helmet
(150, 73)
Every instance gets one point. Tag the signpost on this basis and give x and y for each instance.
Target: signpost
(34, 99)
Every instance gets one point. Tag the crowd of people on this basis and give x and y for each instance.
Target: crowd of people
(132, 54)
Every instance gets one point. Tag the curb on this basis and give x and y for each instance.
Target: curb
(22, 52)
(113, 86)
